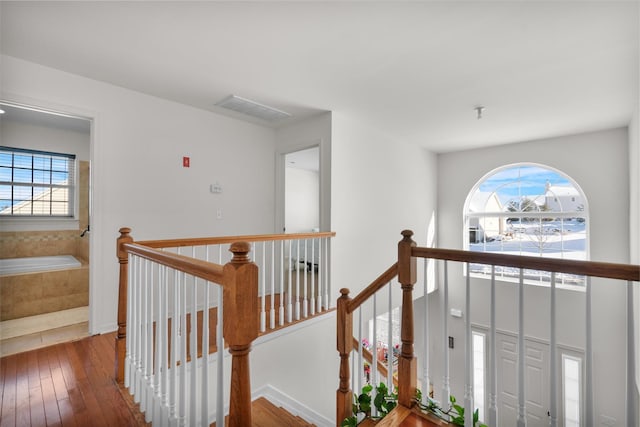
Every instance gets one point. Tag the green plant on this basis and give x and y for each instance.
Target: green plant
(384, 402)
(457, 418)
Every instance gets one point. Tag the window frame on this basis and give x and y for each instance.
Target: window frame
(468, 215)
(71, 187)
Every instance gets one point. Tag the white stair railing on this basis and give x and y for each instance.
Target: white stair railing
(161, 364)
(293, 271)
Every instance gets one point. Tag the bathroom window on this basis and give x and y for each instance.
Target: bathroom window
(36, 183)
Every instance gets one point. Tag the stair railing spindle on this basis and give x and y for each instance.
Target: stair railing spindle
(522, 420)
(390, 340)
(374, 359)
(290, 283)
(493, 359)
(446, 391)
(426, 381)
(281, 287)
(468, 355)
(553, 364)
(312, 299)
(263, 290)
(305, 301)
(272, 312)
(588, 356)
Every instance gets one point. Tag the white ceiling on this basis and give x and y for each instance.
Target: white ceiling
(413, 70)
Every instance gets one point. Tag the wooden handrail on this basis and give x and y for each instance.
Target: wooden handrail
(583, 268)
(405, 269)
(374, 287)
(201, 241)
(195, 267)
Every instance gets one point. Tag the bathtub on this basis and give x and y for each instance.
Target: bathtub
(40, 263)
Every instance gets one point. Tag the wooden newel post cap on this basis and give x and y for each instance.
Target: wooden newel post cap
(125, 237)
(406, 234)
(344, 292)
(240, 252)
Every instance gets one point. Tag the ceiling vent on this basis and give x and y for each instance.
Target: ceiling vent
(252, 108)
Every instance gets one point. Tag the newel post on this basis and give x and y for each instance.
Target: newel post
(344, 394)
(121, 336)
(407, 366)
(241, 324)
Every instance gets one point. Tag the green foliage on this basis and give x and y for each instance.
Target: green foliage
(385, 401)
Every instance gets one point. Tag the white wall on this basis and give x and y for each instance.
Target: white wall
(598, 163)
(302, 200)
(138, 181)
(379, 188)
(634, 222)
(18, 134)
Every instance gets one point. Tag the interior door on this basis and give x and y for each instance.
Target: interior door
(536, 382)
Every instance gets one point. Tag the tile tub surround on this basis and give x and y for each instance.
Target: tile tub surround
(30, 294)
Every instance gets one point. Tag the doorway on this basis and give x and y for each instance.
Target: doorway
(55, 307)
(302, 191)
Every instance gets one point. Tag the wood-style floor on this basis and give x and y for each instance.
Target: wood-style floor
(69, 384)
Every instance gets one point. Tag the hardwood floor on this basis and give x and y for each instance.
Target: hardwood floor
(69, 384)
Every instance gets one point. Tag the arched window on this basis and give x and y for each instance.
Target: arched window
(527, 209)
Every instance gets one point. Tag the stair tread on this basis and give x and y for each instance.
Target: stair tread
(266, 414)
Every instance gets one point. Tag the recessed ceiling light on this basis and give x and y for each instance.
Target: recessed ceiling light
(252, 108)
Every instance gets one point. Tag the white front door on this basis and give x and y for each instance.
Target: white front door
(536, 389)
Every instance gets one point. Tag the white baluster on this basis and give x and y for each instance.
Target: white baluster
(220, 360)
(374, 358)
(263, 293)
(289, 306)
(272, 312)
(360, 352)
(155, 367)
(175, 346)
(468, 355)
(182, 412)
(281, 290)
(193, 352)
(204, 417)
(631, 399)
(305, 301)
(312, 300)
(147, 352)
(137, 361)
(588, 360)
(298, 293)
(426, 381)
(327, 277)
(553, 366)
(493, 359)
(129, 320)
(320, 276)
(390, 340)
(164, 379)
(446, 391)
(522, 420)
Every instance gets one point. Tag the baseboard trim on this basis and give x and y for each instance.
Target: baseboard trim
(279, 398)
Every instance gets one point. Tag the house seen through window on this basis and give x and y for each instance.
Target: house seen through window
(527, 209)
(36, 183)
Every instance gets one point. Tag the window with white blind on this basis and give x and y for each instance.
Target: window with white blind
(36, 183)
